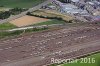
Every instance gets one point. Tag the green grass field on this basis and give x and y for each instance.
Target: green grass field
(19, 3)
(54, 21)
(6, 26)
(95, 56)
(19, 32)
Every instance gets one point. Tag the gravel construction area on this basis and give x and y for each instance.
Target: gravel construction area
(49, 44)
(27, 20)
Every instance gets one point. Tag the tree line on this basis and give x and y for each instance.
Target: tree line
(14, 11)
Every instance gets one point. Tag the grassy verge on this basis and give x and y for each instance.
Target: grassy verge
(19, 32)
(94, 57)
(6, 26)
(50, 22)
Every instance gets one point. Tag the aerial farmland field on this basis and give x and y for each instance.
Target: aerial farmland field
(19, 3)
(28, 20)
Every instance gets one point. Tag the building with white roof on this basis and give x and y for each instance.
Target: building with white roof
(75, 0)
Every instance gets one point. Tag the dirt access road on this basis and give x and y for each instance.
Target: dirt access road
(37, 49)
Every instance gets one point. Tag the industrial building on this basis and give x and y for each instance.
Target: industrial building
(72, 9)
(81, 8)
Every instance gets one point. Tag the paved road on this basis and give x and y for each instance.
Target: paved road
(25, 12)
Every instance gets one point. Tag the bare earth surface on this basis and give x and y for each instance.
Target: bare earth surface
(27, 20)
(38, 48)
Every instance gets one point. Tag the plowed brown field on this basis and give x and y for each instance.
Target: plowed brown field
(27, 20)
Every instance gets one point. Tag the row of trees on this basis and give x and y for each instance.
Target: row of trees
(14, 11)
(4, 15)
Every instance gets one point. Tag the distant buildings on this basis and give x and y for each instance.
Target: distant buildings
(75, 0)
(81, 8)
(67, 1)
(96, 18)
(96, 13)
(72, 9)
